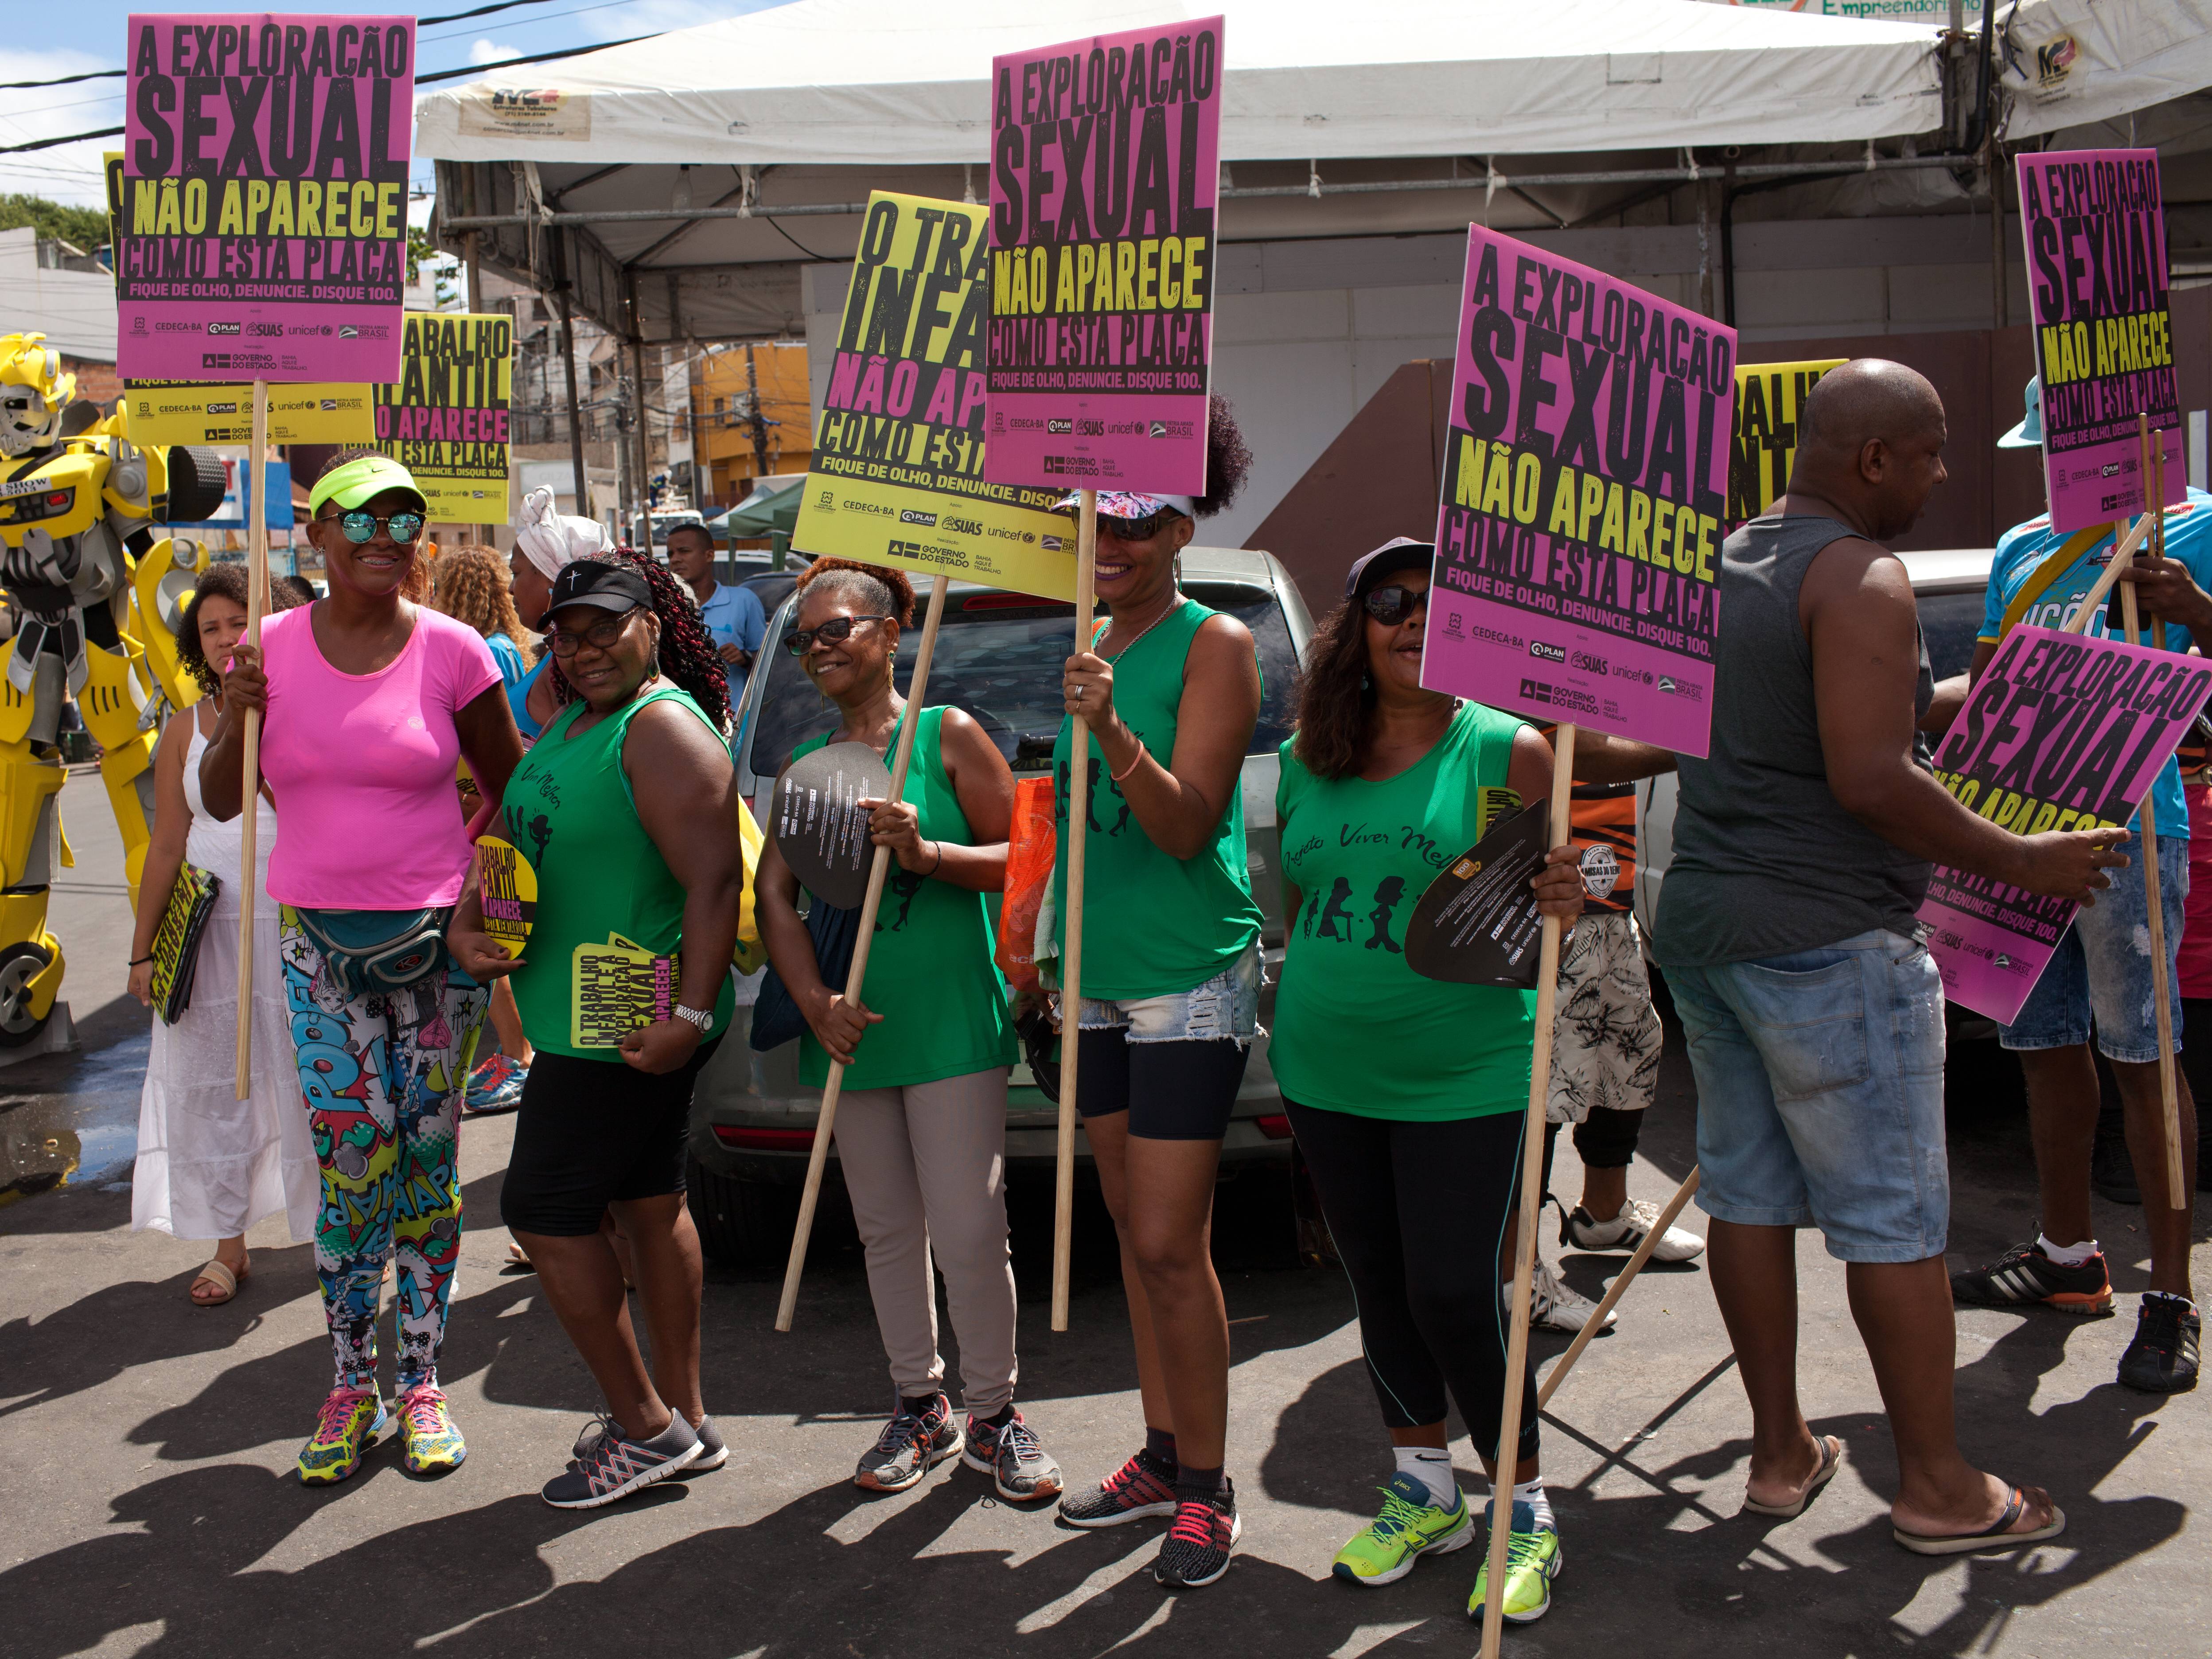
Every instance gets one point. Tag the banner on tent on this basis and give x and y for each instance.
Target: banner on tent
(2095, 235)
(1585, 474)
(1770, 401)
(263, 221)
(444, 419)
(2062, 732)
(897, 466)
(1105, 177)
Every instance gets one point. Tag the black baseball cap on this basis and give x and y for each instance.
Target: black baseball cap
(1399, 553)
(596, 583)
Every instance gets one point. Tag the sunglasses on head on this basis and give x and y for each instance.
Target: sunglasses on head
(359, 525)
(566, 641)
(836, 631)
(1393, 605)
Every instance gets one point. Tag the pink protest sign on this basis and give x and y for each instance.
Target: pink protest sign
(1105, 163)
(2062, 732)
(263, 229)
(1585, 476)
(2095, 235)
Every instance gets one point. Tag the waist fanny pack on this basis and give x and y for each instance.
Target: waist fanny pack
(369, 952)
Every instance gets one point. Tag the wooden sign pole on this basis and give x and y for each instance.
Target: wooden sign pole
(1525, 1255)
(250, 491)
(1071, 994)
(878, 871)
(1596, 1320)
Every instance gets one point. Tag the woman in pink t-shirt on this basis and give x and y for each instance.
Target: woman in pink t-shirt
(370, 700)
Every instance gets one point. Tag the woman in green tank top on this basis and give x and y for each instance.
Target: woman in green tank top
(921, 1122)
(626, 808)
(1171, 982)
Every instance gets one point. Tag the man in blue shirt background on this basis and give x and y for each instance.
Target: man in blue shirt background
(2102, 966)
(733, 614)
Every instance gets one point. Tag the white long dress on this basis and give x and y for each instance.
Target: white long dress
(210, 1165)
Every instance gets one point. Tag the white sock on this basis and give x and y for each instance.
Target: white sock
(1531, 1493)
(1432, 1466)
(2066, 1256)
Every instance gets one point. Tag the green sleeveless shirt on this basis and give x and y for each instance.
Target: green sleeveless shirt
(931, 973)
(568, 807)
(1355, 1029)
(1153, 924)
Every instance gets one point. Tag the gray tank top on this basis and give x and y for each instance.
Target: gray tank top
(1765, 860)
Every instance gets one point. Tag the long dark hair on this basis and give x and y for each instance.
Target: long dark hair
(688, 656)
(224, 581)
(1334, 695)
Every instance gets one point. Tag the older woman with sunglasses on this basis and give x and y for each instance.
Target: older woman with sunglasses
(370, 700)
(1417, 1161)
(626, 806)
(921, 1124)
(1170, 985)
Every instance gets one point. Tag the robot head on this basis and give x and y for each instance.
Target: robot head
(33, 391)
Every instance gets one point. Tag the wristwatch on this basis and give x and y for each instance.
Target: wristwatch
(704, 1018)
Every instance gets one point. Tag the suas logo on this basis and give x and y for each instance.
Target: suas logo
(953, 526)
(913, 515)
(1548, 651)
(1589, 664)
(222, 328)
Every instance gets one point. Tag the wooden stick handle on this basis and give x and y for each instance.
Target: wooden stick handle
(257, 603)
(1070, 964)
(2123, 556)
(817, 1157)
(1525, 1255)
(1596, 1322)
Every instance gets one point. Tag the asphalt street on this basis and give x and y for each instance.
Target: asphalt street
(147, 1504)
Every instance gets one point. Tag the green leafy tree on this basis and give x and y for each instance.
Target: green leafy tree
(85, 227)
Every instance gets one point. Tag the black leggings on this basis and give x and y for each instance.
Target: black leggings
(1418, 1212)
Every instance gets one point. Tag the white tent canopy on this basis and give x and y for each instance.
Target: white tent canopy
(864, 82)
(2068, 63)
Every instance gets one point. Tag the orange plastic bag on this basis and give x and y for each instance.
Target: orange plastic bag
(1029, 879)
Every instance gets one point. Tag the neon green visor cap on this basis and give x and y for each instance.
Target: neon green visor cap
(360, 482)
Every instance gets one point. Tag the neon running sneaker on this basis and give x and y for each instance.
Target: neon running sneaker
(2162, 1357)
(1014, 1458)
(495, 1087)
(2024, 1276)
(350, 1421)
(1411, 1525)
(614, 1466)
(1626, 1232)
(1144, 1485)
(1532, 1559)
(1198, 1548)
(910, 1446)
(432, 1444)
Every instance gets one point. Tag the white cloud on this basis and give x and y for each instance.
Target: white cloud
(490, 51)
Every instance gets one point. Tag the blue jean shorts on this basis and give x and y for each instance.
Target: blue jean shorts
(2102, 967)
(1225, 1007)
(1821, 1094)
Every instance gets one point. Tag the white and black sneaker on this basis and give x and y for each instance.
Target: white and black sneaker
(1625, 1232)
(610, 1464)
(1554, 1306)
(1014, 1458)
(714, 1450)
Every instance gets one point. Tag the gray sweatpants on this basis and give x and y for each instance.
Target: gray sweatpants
(925, 1167)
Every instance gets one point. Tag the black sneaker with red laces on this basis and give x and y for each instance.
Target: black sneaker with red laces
(1198, 1546)
(1144, 1485)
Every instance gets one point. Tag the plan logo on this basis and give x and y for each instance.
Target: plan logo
(1546, 651)
(912, 515)
(222, 328)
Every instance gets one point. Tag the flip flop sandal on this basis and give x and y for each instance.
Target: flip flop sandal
(1832, 1459)
(217, 1274)
(1997, 1536)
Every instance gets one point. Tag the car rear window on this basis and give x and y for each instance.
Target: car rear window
(1000, 657)
(1949, 622)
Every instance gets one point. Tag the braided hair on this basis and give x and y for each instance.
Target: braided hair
(883, 590)
(688, 656)
(223, 581)
(471, 587)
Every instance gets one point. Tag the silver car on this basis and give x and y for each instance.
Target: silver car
(998, 657)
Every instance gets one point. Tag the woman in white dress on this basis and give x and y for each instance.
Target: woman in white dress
(210, 1165)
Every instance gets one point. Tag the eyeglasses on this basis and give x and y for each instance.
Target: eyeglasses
(1394, 604)
(836, 631)
(602, 635)
(359, 526)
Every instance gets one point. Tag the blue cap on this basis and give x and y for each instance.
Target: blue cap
(2028, 434)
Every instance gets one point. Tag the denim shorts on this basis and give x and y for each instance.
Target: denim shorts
(1225, 1007)
(2102, 967)
(1821, 1094)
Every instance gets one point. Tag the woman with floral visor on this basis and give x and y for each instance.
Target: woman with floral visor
(369, 700)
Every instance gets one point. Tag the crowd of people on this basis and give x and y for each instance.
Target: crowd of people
(1812, 1015)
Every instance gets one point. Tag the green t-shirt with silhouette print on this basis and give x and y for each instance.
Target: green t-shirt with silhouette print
(1356, 1030)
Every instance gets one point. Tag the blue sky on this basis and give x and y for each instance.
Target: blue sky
(75, 36)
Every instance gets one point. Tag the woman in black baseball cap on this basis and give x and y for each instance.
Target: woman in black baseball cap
(626, 808)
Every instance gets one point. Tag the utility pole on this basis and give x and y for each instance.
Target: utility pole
(757, 421)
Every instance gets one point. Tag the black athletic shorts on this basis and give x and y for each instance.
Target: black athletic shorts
(1171, 1090)
(592, 1132)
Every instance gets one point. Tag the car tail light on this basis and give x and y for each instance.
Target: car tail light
(1276, 1126)
(767, 1141)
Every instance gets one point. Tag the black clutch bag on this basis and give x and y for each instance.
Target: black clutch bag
(776, 1017)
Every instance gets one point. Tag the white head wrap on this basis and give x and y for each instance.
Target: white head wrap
(549, 539)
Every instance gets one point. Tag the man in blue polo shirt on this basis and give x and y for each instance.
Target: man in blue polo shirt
(2102, 967)
(733, 614)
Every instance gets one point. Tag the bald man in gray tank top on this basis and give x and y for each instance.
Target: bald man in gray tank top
(1814, 1019)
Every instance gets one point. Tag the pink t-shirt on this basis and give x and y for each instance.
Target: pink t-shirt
(365, 765)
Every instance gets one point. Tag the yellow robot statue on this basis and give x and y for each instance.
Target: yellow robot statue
(98, 599)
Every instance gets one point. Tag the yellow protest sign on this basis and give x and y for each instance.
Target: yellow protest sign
(1769, 399)
(897, 472)
(619, 988)
(506, 890)
(446, 418)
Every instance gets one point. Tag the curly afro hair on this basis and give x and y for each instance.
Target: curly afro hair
(688, 656)
(1228, 458)
(226, 581)
(470, 584)
(883, 591)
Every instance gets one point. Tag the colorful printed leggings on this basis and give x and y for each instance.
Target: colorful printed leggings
(383, 1075)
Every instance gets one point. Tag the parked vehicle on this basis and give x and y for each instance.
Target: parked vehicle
(999, 657)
